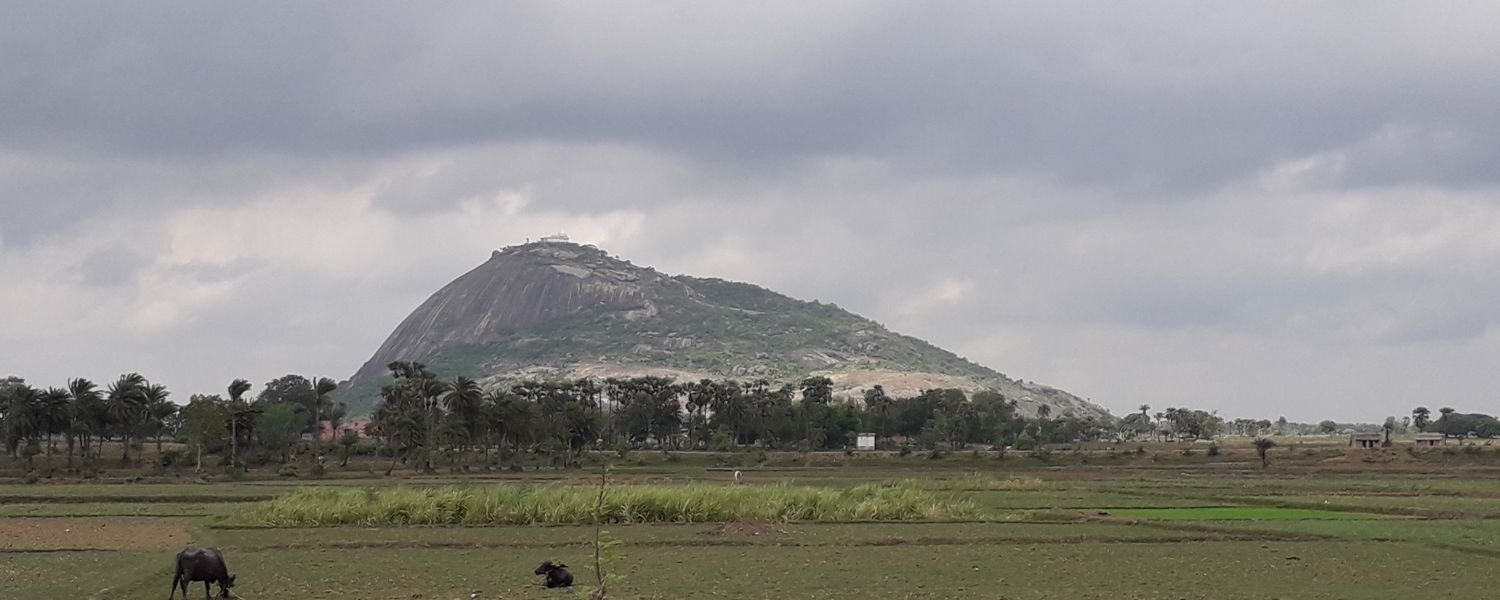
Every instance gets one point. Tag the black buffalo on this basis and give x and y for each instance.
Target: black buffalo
(557, 574)
(206, 565)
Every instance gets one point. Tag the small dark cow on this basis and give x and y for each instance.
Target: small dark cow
(557, 574)
(206, 565)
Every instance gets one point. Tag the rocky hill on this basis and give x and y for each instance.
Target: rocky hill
(562, 310)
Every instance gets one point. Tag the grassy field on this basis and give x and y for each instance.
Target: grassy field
(1067, 526)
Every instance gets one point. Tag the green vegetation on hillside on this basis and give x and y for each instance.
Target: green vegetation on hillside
(518, 314)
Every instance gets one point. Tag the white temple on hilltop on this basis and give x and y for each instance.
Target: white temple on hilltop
(556, 237)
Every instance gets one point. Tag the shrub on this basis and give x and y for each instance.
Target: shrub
(935, 454)
(1213, 450)
(721, 442)
(1025, 442)
(31, 477)
(174, 457)
(905, 450)
(287, 471)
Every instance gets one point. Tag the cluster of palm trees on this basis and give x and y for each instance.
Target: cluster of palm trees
(1186, 423)
(428, 421)
(424, 419)
(84, 416)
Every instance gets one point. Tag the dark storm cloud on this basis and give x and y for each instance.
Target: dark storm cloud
(1180, 98)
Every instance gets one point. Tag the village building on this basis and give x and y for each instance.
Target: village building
(1366, 440)
(330, 433)
(1429, 440)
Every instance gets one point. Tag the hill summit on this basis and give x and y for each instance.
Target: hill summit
(555, 309)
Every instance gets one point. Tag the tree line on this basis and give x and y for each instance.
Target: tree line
(80, 418)
(1452, 423)
(428, 421)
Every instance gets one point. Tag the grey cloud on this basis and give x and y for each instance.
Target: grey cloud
(114, 266)
(1127, 98)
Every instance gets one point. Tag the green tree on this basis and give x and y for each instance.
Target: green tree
(56, 417)
(1262, 447)
(292, 389)
(23, 415)
(158, 412)
(322, 388)
(278, 429)
(205, 422)
(1327, 427)
(1420, 417)
(465, 402)
(125, 404)
(241, 418)
(879, 405)
(90, 417)
(347, 442)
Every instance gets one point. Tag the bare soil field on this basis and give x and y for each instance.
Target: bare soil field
(94, 533)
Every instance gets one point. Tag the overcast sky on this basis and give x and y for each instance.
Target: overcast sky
(1265, 208)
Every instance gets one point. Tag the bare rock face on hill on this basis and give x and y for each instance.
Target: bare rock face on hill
(562, 310)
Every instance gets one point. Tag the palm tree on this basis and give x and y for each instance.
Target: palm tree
(56, 415)
(1263, 446)
(430, 391)
(465, 400)
(158, 410)
(1043, 412)
(125, 405)
(322, 387)
(22, 407)
(1145, 408)
(241, 416)
(879, 405)
(89, 413)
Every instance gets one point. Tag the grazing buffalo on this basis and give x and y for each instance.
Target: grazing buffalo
(557, 574)
(206, 565)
